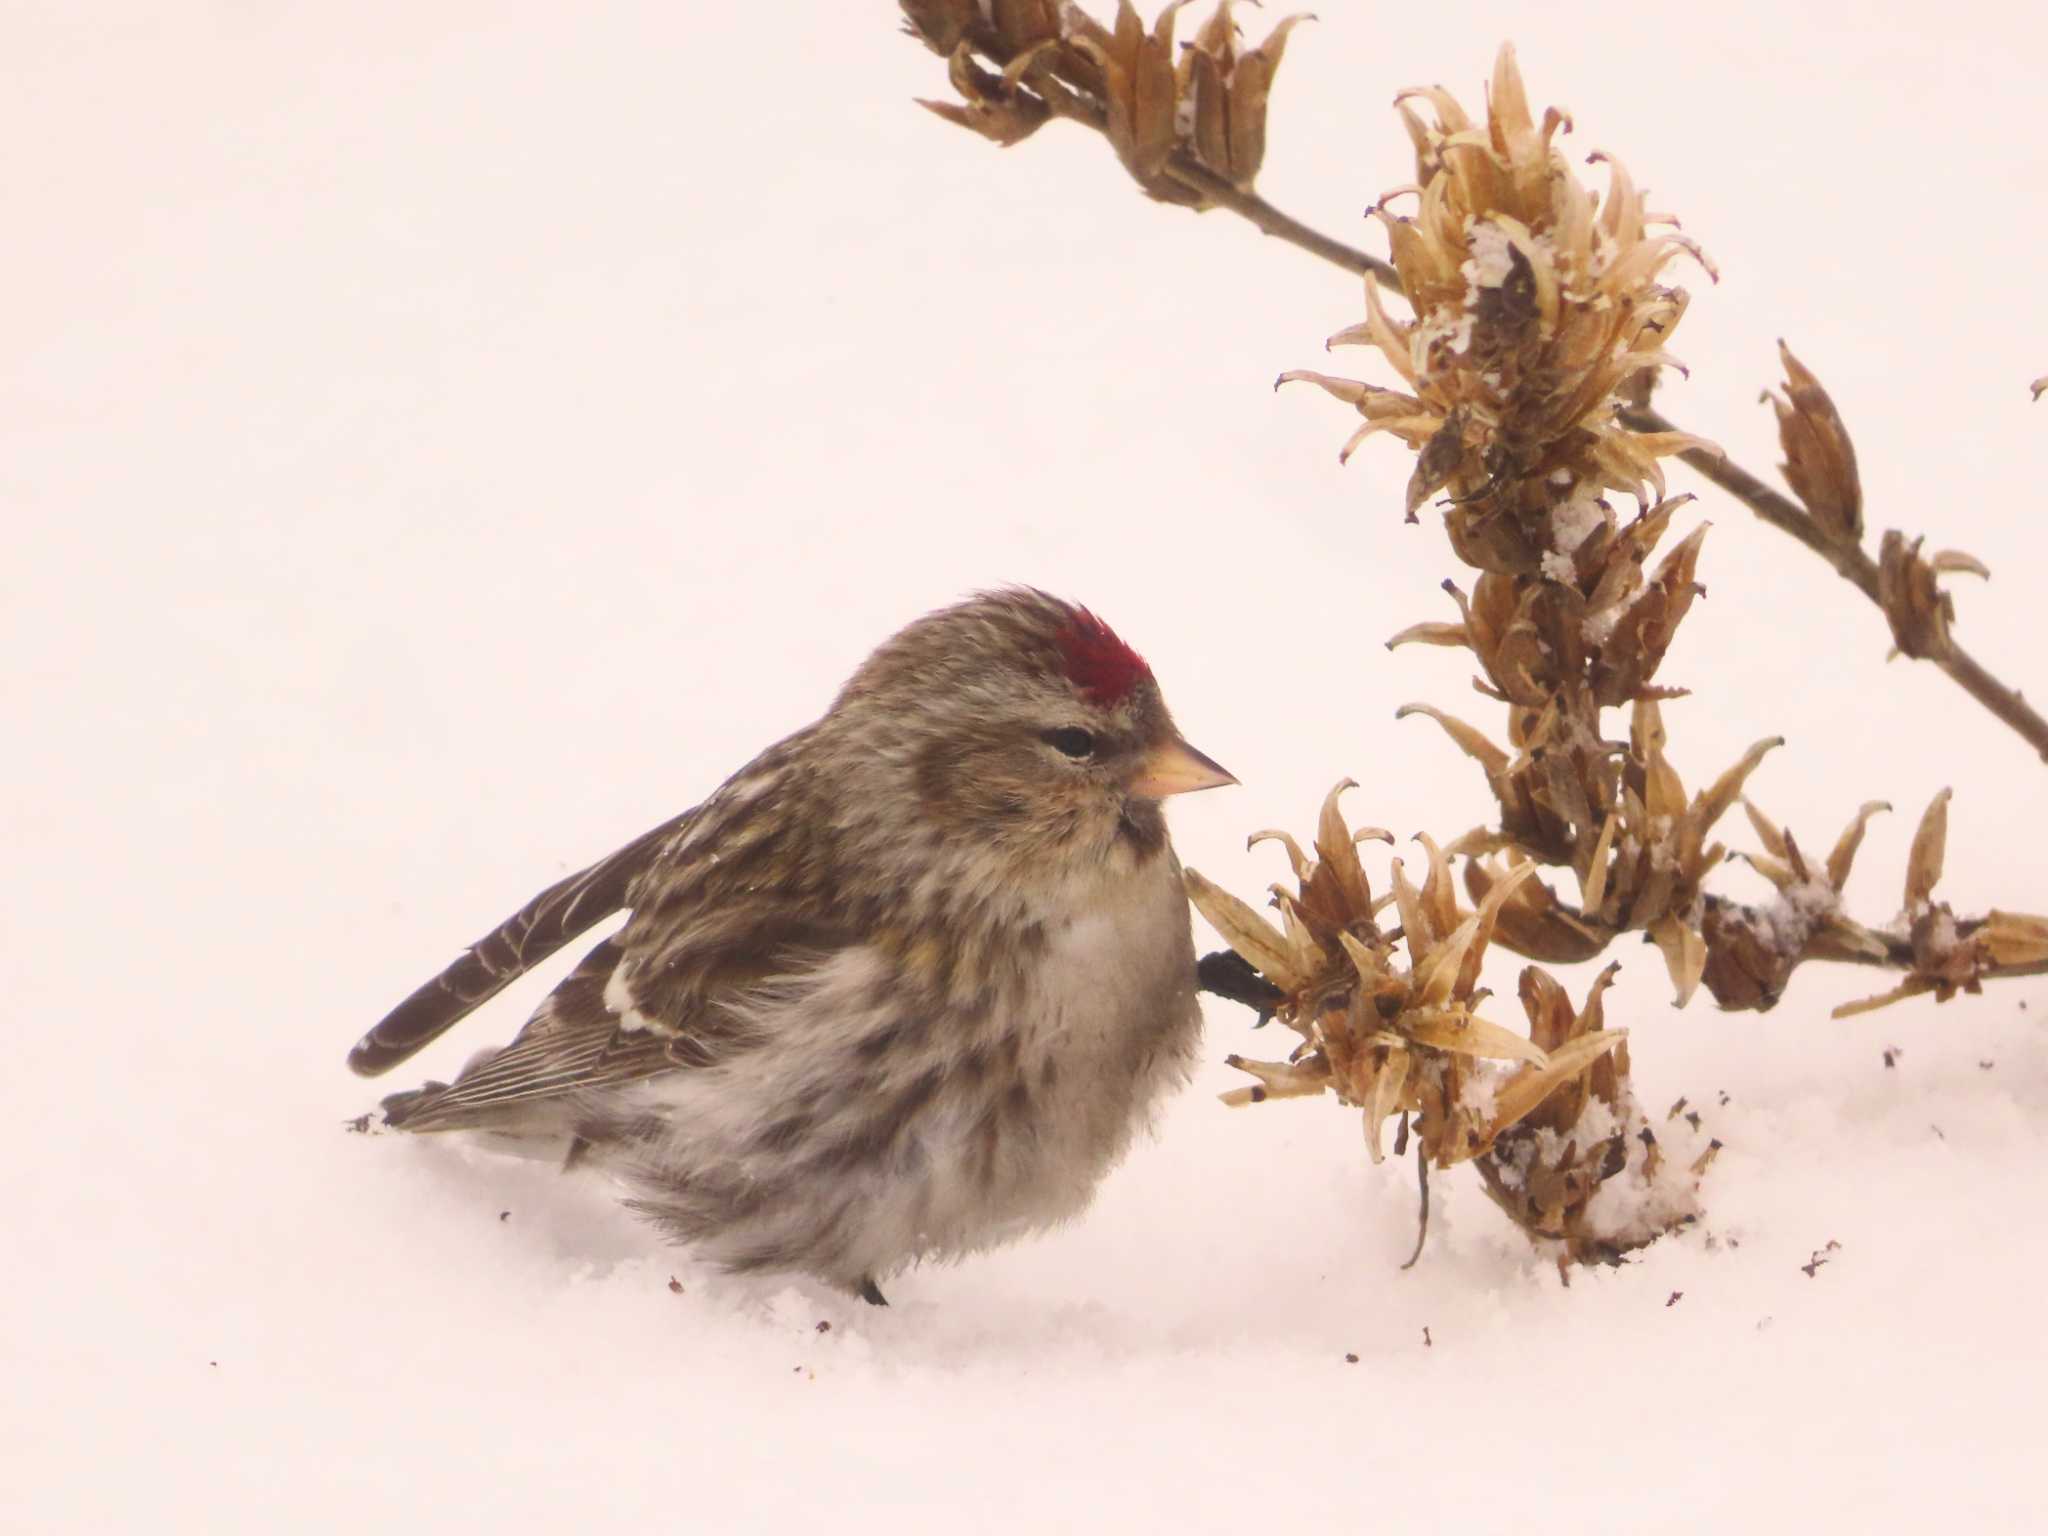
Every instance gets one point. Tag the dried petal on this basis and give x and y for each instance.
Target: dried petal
(1550, 1011)
(1912, 986)
(1844, 856)
(1930, 844)
(1338, 850)
(1536, 924)
(1139, 95)
(1642, 632)
(1918, 611)
(1414, 921)
(1430, 634)
(990, 105)
(1367, 964)
(1594, 888)
(1244, 931)
(1278, 1079)
(1767, 831)
(2014, 938)
(1475, 744)
(1685, 954)
(1298, 860)
(1466, 1034)
(1951, 560)
(1251, 82)
(1526, 1090)
(1714, 803)
(1387, 1087)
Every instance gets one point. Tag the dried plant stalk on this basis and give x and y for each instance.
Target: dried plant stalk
(1584, 1169)
(1538, 308)
(1538, 316)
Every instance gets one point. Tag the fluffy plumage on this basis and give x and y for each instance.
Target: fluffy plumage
(905, 986)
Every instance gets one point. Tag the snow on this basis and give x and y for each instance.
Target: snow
(1488, 265)
(1575, 520)
(439, 443)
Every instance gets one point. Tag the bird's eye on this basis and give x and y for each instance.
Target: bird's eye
(1070, 739)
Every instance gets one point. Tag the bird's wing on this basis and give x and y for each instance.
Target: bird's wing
(730, 909)
(608, 1024)
(572, 1043)
(554, 917)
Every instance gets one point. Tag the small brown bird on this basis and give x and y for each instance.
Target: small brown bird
(904, 987)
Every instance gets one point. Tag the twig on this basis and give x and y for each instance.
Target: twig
(1281, 226)
(1780, 511)
(1218, 192)
(1969, 675)
(1854, 567)
(1422, 1219)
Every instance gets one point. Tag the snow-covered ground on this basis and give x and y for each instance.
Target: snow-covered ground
(438, 442)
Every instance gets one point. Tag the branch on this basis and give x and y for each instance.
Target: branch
(1215, 191)
(1281, 226)
(1854, 567)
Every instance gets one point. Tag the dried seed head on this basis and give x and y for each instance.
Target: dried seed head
(1574, 1161)
(1222, 92)
(1820, 460)
(1207, 106)
(995, 106)
(1385, 1037)
(1919, 612)
(1536, 303)
(1751, 951)
(1139, 93)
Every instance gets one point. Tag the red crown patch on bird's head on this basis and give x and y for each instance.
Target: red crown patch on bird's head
(1098, 663)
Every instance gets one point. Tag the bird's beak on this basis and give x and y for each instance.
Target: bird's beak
(1174, 768)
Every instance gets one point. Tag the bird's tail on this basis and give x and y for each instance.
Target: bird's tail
(554, 917)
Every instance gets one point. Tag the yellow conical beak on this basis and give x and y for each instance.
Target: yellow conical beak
(1176, 768)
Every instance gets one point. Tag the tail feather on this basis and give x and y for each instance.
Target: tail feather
(554, 917)
(401, 1108)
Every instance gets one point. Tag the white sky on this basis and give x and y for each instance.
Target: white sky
(438, 442)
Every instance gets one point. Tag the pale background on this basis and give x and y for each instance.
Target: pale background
(438, 442)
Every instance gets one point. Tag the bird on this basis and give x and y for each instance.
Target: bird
(902, 989)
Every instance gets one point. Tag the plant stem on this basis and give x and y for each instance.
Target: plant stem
(1281, 226)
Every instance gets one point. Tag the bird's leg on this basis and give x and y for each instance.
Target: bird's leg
(870, 1292)
(1229, 975)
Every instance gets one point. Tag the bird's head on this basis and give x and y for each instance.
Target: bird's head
(1023, 721)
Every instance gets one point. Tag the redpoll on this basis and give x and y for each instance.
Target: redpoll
(904, 987)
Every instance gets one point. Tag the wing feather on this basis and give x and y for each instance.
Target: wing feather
(572, 1043)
